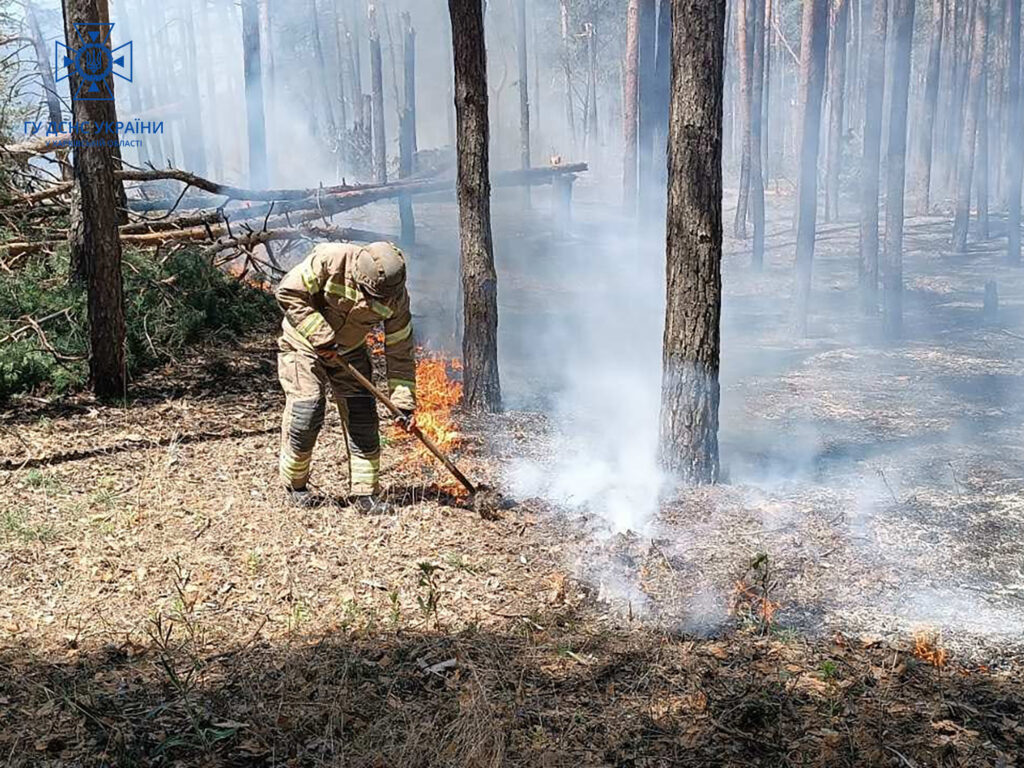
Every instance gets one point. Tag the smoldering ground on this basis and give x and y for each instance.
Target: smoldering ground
(883, 481)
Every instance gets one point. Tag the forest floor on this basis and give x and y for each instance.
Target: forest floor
(853, 596)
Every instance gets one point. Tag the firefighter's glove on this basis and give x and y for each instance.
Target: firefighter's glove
(407, 418)
(327, 354)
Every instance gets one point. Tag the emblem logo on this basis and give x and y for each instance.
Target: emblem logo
(95, 62)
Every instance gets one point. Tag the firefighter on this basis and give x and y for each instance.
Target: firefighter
(331, 300)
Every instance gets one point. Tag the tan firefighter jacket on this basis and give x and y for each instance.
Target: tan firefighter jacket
(324, 307)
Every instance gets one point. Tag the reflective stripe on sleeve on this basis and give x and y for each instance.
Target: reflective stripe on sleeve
(396, 383)
(397, 336)
(311, 325)
(381, 309)
(309, 279)
(341, 290)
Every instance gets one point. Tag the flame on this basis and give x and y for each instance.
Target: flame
(438, 391)
(927, 648)
(757, 606)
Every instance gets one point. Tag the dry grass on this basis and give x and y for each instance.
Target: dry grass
(160, 605)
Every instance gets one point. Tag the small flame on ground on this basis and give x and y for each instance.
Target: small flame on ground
(927, 648)
(438, 391)
(751, 604)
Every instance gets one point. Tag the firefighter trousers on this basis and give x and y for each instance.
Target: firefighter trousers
(306, 379)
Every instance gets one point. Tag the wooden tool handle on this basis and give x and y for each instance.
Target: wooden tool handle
(397, 412)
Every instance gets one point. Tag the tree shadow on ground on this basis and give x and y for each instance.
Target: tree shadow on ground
(562, 688)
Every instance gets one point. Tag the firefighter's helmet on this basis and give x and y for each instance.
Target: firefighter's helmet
(380, 270)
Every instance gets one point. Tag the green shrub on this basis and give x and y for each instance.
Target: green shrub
(168, 306)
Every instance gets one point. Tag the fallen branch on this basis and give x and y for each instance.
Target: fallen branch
(37, 146)
(337, 234)
(32, 324)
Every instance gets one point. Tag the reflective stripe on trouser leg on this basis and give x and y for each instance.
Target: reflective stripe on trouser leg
(300, 428)
(363, 432)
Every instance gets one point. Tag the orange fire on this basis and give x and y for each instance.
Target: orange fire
(748, 602)
(438, 391)
(928, 649)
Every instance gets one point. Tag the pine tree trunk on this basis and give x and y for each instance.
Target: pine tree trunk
(757, 10)
(380, 156)
(688, 448)
(744, 52)
(837, 100)
(1015, 153)
(134, 94)
(216, 160)
(481, 387)
(101, 113)
(570, 111)
(646, 69)
(892, 271)
(874, 89)
(923, 166)
(766, 135)
(195, 146)
(630, 115)
(813, 47)
(96, 249)
(524, 91)
(343, 76)
(968, 137)
(43, 54)
(254, 94)
(407, 129)
(593, 134)
(320, 75)
(982, 175)
(662, 93)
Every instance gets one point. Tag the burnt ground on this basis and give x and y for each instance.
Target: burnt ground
(160, 605)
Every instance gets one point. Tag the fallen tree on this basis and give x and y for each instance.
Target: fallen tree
(282, 215)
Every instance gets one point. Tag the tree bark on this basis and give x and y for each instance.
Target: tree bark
(892, 271)
(255, 120)
(871, 159)
(629, 111)
(688, 445)
(1015, 153)
(813, 46)
(481, 387)
(380, 155)
(744, 52)
(100, 113)
(662, 97)
(923, 166)
(968, 137)
(757, 8)
(97, 249)
(836, 101)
